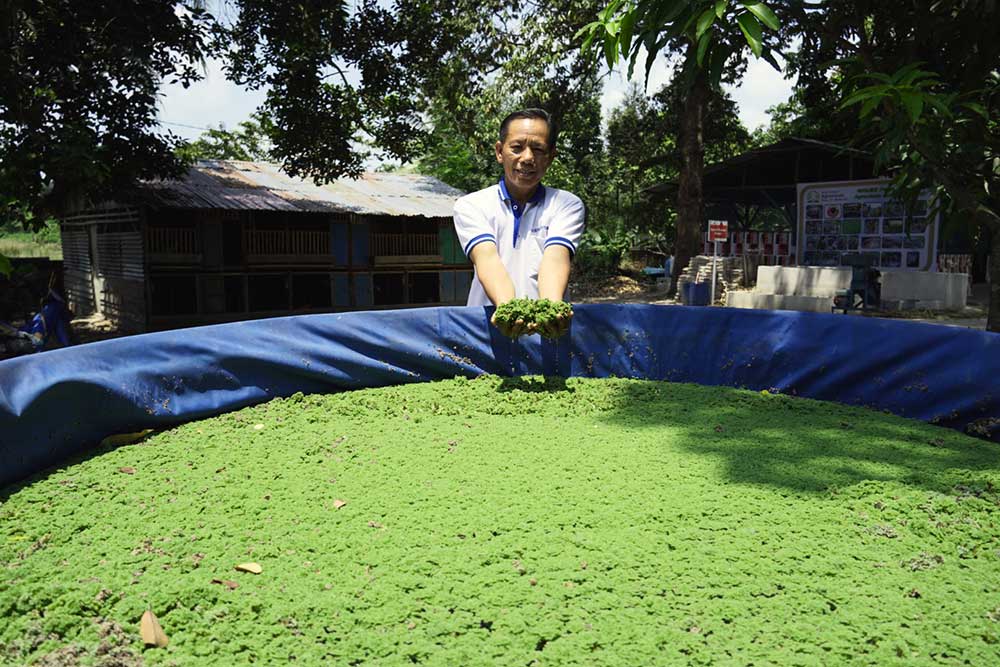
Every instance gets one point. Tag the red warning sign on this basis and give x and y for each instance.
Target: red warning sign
(718, 230)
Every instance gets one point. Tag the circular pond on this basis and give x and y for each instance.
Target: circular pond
(514, 521)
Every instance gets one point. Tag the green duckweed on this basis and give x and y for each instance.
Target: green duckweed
(539, 312)
(514, 522)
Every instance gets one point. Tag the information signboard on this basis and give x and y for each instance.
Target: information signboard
(851, 217)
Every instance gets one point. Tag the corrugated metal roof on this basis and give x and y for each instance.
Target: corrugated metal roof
(259, 186)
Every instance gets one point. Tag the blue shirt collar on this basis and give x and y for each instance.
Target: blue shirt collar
(535, 198)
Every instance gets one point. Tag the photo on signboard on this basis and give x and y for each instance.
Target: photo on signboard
(892, 241)
(852, 210)
(812, 243)
(814, 212)
(871, 226)
(842, 242)
(814, 227)
(853, 242)
(830, 259)
(872, 257)
(810, 258)
(871, 242)
(828, 242)
(912, 260)
(873, 210)
(917, 225)
(892, 226)
(892, 259)
(833, 212)
(831, 227)
(852, 226)
(914, 242)
(893, 208)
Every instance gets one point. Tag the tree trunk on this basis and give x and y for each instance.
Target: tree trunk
(993, 275)
(690, 206)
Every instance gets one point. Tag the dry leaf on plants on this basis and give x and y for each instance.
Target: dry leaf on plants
(128, 470)
(252, 568)
(228, 583)
(119, 439)
(338, 503)
(151, 632)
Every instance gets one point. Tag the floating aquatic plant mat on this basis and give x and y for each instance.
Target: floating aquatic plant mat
(514, 522)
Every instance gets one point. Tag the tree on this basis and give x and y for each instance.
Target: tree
(78, 95)
(643, 150)
(712, 36)
(248, 142)
(922, 85)
(80, 81)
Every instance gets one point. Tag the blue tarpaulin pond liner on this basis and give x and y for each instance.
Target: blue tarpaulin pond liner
(57, 403)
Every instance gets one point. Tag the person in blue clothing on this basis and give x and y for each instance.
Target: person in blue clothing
(50, 325)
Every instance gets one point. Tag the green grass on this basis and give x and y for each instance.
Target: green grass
(515, 522)
(15, 242)
(23, 244)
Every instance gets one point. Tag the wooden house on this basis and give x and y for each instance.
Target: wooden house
(241, 240)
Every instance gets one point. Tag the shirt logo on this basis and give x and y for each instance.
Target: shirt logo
(538, 229)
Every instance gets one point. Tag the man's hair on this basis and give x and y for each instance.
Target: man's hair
(530, 113)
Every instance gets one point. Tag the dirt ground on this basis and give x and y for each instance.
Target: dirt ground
(634, 287)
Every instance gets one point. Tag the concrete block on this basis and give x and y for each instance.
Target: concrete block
(812, 304)
(813, 281)
(950, 289)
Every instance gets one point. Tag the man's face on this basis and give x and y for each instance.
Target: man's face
(525, 154)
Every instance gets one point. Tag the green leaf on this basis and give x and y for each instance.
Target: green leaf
(864, 94)
(717, 63)
(705, 22)
(703, 43)
(918, 75)
(869, 106)
(720, 7)
(751, 31)
(611, 50)
(978, 108)
(762, 12)
(5, 266)
(610, 10)
(942, 108)
(914, 105)
(904, 71)
(590, 30)
(625, 36)
(651, 54)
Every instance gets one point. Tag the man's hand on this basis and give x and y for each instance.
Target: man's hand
(513, 329)
(518, 317)
(556, 326)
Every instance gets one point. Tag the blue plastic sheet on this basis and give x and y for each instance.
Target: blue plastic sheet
(60, 402)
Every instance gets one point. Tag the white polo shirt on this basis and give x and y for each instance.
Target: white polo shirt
(550, 217)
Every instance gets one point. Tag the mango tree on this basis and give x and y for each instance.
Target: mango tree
(713, 37)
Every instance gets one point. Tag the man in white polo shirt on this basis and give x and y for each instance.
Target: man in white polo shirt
(519, 234)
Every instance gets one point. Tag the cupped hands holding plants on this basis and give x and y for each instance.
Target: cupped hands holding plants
(519, 317)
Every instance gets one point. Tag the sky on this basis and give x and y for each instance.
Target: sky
(214, 100)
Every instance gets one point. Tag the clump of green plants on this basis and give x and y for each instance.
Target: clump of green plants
(544, 316)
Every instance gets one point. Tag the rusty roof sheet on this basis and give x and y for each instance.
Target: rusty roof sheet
(257, 186)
